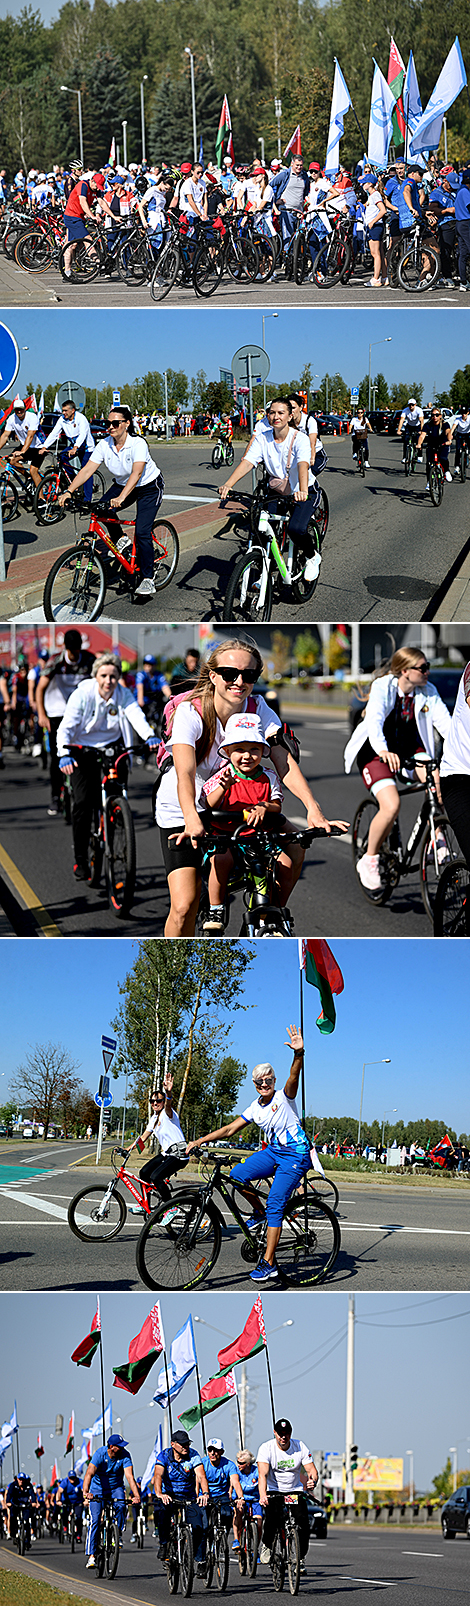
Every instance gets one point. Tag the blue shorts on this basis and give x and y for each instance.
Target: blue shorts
(76, 229)
(376, 232)
(285, 1166)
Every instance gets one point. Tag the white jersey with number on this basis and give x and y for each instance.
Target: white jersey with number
(284, 1465)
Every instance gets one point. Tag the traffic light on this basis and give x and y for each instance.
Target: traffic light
(353, 1456)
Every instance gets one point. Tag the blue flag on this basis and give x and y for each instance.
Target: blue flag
(181, 1363)
(201, 153)
(340, 103)
(451, 80)
(380, 123)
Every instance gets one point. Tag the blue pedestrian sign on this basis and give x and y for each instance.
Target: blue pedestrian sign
(104, 1099)
(9, 358)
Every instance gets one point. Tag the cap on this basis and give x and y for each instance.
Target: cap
(283, 1425)
(411, 399)
(149, 658)
(275, 163)
(368, 182)
(18, 402)
(185, 168)
(257, 170)
(97, 178)
(314, 167)
(181, 1438)
(244, 728)
(117, 1442)
(215, 1444)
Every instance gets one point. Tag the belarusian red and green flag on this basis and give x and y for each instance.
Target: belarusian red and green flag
(39, 1451)
(322, 971)
(250, 1342)
(224, 134)
(70, 1435)
(215, 1393)
(395, 80)
(143, 1351)
(83, 1354)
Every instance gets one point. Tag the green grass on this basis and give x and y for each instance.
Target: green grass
(18, 1590)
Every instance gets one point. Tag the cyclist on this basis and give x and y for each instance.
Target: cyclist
(460, 426)
(249, 1484)
(242, 786)
(136, 479)
(411, 424)
(224, 1483)
(360, 427)
(59, 677)
(81, 444)
(186, 673)
(70, 1498)
(285, 453)
(78, 209)
(24, 423)
(401, 713)
(19, 1495)
(103, 1481)
(285, 1157)
(152, 688)
(438, 435)
(98, 713)
(164, 1124)
(455, 772)
(179, 1472)
(279, 1462)
(20, 705)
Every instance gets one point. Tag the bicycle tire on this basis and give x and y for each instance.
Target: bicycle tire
(436, 485)
(133, 263)
(361, 462)
(80, 1217)
(266, 259)
(452, 900)
(172, 1569)
(140, 1538)
(360, 837)
(408, 461)
(60, 1530)
(303, 590)
(166, 552)
(242, 1554)
(429, 877)
(73, 594)
(278, 1563)
(409, 270)
(162, 1260)
(112, 1549)
(463, 465)
(186, 1561)
(121, 856)
(209, 1565)
(9, 499)
(322, 514)
(229, 455)
(72, 1533)
(165, 272)
(299, 259)
(100, 1560)
(99, 487)
(242, 594)
(222, 1562)
(308, 1263)
(252, 1543)
(217, 458)
(326, 1190)
(45, 501)
(293, 1560)
(208, 267)
(34, 251)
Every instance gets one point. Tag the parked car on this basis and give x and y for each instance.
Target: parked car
(3, 1132)
(98, 428)
(263, 690)
(317, 1518)
(29, 1131)
(455, 1515)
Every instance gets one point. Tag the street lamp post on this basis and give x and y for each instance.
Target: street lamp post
(77, 92)
(454, 1452)
(261, 142)
(387, 1112)
(266, 315)
(278, 113)
(412, 1487)
(167, 426)
(367, 1062)
(189, 53)
(124, 141)
(143, 81)
(376, 343)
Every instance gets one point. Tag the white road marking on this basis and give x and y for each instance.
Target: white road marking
(377, 1226)
(382, 1582)
(423, 1553)
(36, 1204)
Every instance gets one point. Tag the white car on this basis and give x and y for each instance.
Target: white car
(29, 1132)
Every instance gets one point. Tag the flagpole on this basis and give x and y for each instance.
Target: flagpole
(270, 1381)
(239, 1423)
(102, 1379)
(305, 1184)
(17, 1437)
(198, 1381)
(168, 1394)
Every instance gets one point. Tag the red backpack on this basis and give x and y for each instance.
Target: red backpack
(164, 757)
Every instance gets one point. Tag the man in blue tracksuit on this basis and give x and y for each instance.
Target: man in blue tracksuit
(179, 1471)
(462, 224)
(103, 1481)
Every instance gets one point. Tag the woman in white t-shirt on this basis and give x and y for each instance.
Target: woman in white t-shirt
(165, 1125)
(285, 453)
(455, 773)
(136, 478)
(374, 214)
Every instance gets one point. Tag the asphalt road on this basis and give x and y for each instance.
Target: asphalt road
(392, 1236)
(386, 554)
(351, 1564)
(328, 897)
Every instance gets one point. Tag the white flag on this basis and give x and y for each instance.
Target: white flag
(451, 80)
(341, 101)
(380, 124)
(181, 1363)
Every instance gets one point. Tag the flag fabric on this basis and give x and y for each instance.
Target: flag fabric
(224, 134)
(295, 144)
(411, 99)
(340, 103)
(250, 1342)
(55, 1473)
(215, 1393)
(11, 1427)
(70, 1435)
(322, 971)
(112, 151)
(451, 80)
(143, 1351)
(181, 1363)
(201, 153)
(380, 122)
(441, 1150)
(395, 80)
(39, 1451)
(56, 407)
(41, 405)
(149, 1470)
(92, 1433)
(82, 1459)
(83, 1354)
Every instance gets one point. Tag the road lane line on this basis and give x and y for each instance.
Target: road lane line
(107, 1594)
(378, 1226)
(30, 900)
(36, 1204)
(381, 1582)
(423, 1553)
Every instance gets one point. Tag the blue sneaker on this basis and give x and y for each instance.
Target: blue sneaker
(264, 1273)
(253, 1222)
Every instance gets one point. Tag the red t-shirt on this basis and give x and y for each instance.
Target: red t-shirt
(73, 208)
(245, 791)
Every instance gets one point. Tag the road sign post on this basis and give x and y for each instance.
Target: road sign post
(103, 1098)
(250, 364)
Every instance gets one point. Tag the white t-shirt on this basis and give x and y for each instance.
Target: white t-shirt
(357, 425)
(21, 427)
(167, 1129)
(274, 454)
(462, 424)
(284, 1465)
(77, 430)
(188, 727)
(121, 463)
(280, 1121)
(372, 208)
(456, 754)
(413, 415)
(192, 195)
(61, 684)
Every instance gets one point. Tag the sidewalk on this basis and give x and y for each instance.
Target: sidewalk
(454, 603)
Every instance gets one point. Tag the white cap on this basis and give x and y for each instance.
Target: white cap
(244, 728)
(18, 402)
(215, 1444)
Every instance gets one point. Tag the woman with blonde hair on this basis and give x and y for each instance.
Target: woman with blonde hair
(99, 713)
(402, 713)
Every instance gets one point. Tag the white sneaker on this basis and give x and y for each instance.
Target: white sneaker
(312, 567)
(448, 477)
(368, 872)
(265, 1553)
(91, 1562)
(37, 750)
(146, 589)
(427, 485)
(419, 459)
(366, 465)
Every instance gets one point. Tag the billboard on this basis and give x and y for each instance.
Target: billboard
(378, 1472)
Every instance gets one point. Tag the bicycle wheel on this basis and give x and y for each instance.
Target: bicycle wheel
(322, 515)
(165, 272)
(436, 485)
(60, 1530)
(222, 1562)
(429, 870)
(112, 1549)
(252, 1541)
(243, 590)
(302, 589)
(360, 840)
(21, 1538)
(361, 461)
(9, 500)
(85, 262)
(266, 258)
(186, 1561)
(217, 458)
(121, 856)
(34, 251)
(293, 1560)
(463, 465)
(411, 276)
(242, 1554)
(408, 457)
(326, 1190)
(99, 486)
(209, 1563)
(300, 259)
(208, 267)
(83, 1215)
(133, 263)
(278, 1563)
(75, 588)
(172, 1568)
(100, 1558)
(45, 502)
(229, 455)
(307, 1253)
(166, 1255)
(72, 1533)
(166, 551)
(140, 1536)
(451, 903)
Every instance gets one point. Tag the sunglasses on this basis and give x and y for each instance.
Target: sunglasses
(421, 667)
(113, 423)
(229, 676)
(266, 1081)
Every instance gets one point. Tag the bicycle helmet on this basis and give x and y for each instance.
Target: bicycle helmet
(149, 658)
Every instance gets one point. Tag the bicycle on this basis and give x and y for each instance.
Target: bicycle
(181, 1242)
(262, 492)
(256, 851)
(285, 1549)
(436, 480)
(57, 479)
(333, 262)
(411, 456)
(76, 586)
(223, 453)
(419, 266)
(217, 1550)
(179, 1561)
(107, 1550)
(361, 457)
(112, 837)
(99, 1213)
(431, 829)
(451, 904)
(463, 464)
(140, 1528)
(249, 1544)
(23, 1531)
(271, 561)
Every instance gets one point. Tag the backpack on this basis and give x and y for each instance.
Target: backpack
(284, 737)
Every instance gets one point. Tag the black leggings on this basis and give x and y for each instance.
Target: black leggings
(158, 1169)
(274, 1512)
(456, 798)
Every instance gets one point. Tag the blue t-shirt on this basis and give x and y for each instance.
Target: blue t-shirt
(108, 1476)
(249, 1483)
(152, 684)
(72, 1492)
(218, 1478)
(462, 204)
(179, 1477)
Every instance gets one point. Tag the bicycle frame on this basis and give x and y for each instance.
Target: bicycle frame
(430, 807)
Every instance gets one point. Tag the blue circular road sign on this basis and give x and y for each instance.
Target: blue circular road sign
(9, 358)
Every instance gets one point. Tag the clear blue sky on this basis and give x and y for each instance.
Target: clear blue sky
(406, 1000)
(405, 1345)
(94, 346)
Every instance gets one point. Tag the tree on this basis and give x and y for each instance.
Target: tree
(213, 1088)
(442, 1483)
(47, 1071)
(281, 652)
(400, 393)
(217, 397)
(198, 390)
(306, 649)
(171, 127)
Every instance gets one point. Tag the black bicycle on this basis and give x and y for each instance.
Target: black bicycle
(217, 1551)
(23, 1530)
(256, 850)
(452, 901)
(107, 1550)
(249, 1544)
(223, 453)
(181, 1242)
(411, 456)
(361, 457)
(179, 1561)
(431, 833)
(463, 464)
(112, 838)
(285, 1548)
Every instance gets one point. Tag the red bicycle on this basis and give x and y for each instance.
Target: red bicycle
(76, 586)
(100, 1212)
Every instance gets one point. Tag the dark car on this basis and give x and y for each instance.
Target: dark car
(455, 1515)
(380, 420)
(317, 1519)
(98, 428)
